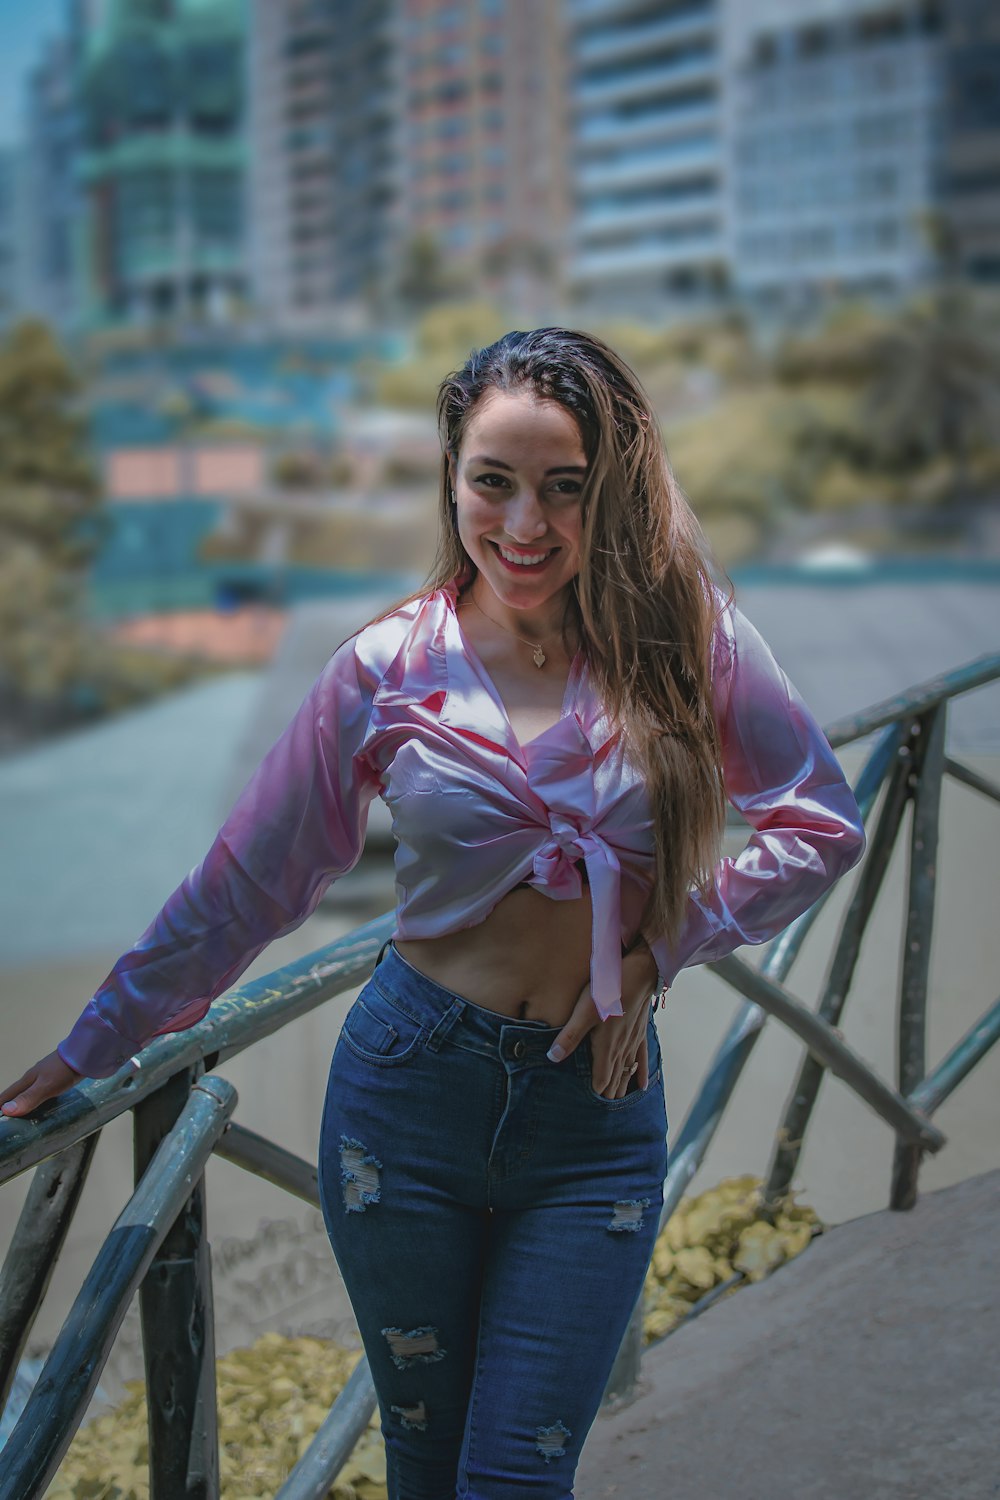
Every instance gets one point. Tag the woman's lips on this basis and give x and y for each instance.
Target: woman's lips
(520, 568)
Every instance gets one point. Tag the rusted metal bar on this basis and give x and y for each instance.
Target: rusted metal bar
(314, 1474)
(624, 1377)
(925, 780)
(971, 778)
(695, 1135)
(242, 1017)
(959, 1062)
(916, 700)
(703, 1304)
(698, 1130)
(59, 1400)
(791, 1132)
(782, 951)
(178, 1324)
(255, 1153)
(41, 1229)
(831, 1050)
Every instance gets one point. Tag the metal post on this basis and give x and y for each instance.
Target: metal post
(178, 1325)
(69, 1377)
(791, 1132)
(623, 1380)
(41, 1229)
(926, 783)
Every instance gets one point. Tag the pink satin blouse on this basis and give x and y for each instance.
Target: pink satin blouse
(406, 710)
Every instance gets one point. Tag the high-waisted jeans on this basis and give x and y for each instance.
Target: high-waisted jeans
(493, 1218)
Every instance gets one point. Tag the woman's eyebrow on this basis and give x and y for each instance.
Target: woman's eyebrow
(498, 463)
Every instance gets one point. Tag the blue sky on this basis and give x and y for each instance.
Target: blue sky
(24, 26)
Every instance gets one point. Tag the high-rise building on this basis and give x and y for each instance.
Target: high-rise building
(835, 131)
(161, 171)
(403, 145)
(50, 200)
(970, 195)
(291, 178)
(646, 162)
(482, 145)
(10, 258)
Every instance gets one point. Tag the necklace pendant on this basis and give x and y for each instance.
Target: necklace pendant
(538, 656)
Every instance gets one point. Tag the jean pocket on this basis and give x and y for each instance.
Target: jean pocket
(378, 1032)
(633, 1093)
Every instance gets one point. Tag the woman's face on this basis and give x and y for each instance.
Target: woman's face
(518, 480)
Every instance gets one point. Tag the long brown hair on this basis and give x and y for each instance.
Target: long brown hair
(643, 603)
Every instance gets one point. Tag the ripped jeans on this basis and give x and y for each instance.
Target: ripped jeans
(493, 1218)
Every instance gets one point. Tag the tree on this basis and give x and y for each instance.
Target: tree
(424, 277)
(49, 522)
(935, 390)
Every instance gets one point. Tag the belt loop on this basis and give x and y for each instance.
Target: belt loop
(447, 1021)
(381, 951)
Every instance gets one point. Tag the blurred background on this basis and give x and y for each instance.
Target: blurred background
(241, 242)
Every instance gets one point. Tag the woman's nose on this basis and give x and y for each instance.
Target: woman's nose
(525, 519)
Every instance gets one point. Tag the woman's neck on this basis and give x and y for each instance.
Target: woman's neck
(544, 625)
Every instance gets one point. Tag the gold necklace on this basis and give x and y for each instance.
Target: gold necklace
(537, 654)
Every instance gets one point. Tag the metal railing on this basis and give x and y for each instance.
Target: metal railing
(182, 1113)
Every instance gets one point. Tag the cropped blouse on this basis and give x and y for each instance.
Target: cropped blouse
(406, 710)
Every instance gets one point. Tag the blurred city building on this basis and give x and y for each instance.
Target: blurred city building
(315, 165)
(51, 197)
(971, 167)
(402, 149)
(291, 200)
(482, 144)
(646, 154)
(10, 268)
(161, 97)
(837, 129)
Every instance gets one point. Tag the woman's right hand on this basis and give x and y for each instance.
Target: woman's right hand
(44, 1081)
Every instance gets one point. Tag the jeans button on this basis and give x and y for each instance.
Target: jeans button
(518, 1049)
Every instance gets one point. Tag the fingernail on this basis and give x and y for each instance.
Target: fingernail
(555, 1053)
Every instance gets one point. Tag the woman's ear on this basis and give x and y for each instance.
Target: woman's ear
(449, 459)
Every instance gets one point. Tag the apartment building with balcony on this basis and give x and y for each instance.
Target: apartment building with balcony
(835, 133)
(291, 175)
(970, 188)
(49, 202)
(396, 140)
(646, 163)
(482, 139)
(161, 166)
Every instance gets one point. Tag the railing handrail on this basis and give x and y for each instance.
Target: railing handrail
(257, 1009)
(181, 1116)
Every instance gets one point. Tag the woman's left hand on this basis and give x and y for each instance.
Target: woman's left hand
(619, 1041)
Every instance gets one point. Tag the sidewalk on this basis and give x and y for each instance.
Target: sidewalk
(868, 1369)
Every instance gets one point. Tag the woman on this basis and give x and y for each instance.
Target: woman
(555, 725)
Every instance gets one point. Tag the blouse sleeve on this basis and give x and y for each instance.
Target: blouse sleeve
(782, 775)
(298, 824)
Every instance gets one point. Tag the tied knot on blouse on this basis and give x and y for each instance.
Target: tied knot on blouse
(556, 867)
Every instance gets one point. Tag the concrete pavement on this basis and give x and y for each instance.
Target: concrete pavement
(868, 1369)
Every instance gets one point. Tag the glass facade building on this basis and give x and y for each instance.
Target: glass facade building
(836, 134)
(646, 163)
(161, 170)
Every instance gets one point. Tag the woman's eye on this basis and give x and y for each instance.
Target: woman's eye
(567, 487)
(491, 481)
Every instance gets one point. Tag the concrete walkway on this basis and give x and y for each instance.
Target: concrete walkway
(868, 1369)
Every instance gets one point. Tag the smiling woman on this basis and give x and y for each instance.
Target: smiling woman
(555, 722)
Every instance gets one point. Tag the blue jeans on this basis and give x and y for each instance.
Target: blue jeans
(493, 1218)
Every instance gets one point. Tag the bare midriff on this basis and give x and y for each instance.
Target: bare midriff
(529, 959)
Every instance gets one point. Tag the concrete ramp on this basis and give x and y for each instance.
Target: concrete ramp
(868, 1369)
